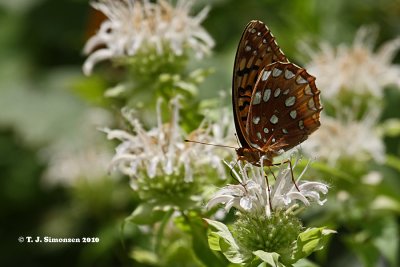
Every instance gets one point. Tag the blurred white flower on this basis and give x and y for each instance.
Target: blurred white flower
(347, 138)
(372, 178)
(161, 151)
(253, 196)
(357, 69)
(69, 166)
(134, 26)
(84, 158)
(216, 132)
(343, 196)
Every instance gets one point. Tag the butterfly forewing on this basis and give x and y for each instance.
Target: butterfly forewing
(284, 108)
(257, 49)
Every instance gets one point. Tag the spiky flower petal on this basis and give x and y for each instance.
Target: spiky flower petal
(253, 196)
(138, 26)
(159, 162)
(346, 138)
(356, 69)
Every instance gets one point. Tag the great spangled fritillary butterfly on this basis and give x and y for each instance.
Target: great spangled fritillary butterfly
(276, 104)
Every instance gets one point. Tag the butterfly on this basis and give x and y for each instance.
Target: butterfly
(276, 103)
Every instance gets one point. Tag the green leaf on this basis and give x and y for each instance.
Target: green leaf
(223, 231)
(189, 87)
(232, 253)
(213, 241)
(385, 203)
(180, 251)
(145, 214)
(311, 240)
(227, 244)
(201, 245)
(91, 89)
(378, 239)
(144, 256)
(271, 258)
(257, 262)
(304, 263)
(116, 91)
(197, 76)
(393, 162)
(388, 240)
(391, 127)
(365, 251)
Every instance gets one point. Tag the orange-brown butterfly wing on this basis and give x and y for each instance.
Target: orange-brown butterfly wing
(257, 49)
(285, 107)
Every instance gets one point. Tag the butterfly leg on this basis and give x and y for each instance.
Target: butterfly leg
(291, 172)
(231, 172)
(272, 172)
(234, 178)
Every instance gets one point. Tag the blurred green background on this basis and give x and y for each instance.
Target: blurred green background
(49, 115)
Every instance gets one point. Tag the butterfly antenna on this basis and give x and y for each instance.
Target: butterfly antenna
(208, 144)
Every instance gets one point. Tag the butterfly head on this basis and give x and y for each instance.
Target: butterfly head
(254, 156)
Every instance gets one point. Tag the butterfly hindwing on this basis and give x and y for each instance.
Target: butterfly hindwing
(284, 107)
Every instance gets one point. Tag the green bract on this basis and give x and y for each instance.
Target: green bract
(274, 241)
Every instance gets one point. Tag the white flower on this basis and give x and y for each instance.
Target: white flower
(255, 196)
(356, 69)
(160, 151)
(134, 26)
(347, 138)
(213, 134)
(69, 166)
(372, 178)
(84, 158)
